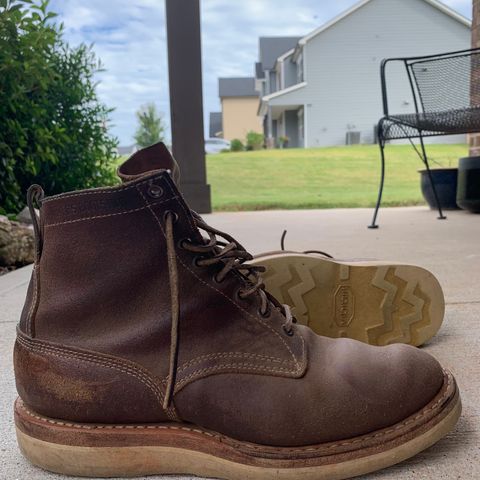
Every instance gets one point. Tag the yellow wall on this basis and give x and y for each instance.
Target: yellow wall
(239, 116)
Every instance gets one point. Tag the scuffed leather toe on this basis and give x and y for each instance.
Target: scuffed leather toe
(349, 389)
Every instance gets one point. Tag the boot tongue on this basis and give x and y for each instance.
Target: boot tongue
(148, 160)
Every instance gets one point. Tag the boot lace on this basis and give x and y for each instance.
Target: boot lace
(231, 256)
(282, 246)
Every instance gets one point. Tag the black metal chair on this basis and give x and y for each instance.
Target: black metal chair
(446, 97)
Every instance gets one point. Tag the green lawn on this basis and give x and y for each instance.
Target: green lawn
(320, 177)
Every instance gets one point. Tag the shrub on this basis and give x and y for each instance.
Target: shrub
(255, 140)
(53, 128)
(283, 141)
(236, 145)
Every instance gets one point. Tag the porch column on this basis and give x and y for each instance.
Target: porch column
(474, 138)
(186, 101)
(269, 139)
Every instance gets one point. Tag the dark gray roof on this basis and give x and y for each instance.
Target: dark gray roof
(215, 124)
(270, 48)
(237, 87)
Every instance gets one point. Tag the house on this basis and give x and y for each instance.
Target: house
(128, 150)
(267, 79)
(240, 102)
(269, 49)
(215, 125)
(328, 83)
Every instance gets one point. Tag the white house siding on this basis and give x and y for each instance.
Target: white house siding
(342, 66)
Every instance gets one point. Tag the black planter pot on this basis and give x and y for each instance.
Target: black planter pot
(445, 180)
(468, 190)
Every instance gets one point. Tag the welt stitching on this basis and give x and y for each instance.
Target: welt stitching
(130, 370)
(228, 298)
(397, 427)
(107, 190)
(113, 427)
(107, 215)
(213, 356)
(422, 413)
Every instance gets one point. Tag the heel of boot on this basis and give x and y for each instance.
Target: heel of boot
(86, 450)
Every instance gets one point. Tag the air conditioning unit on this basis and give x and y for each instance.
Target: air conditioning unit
(353, 138)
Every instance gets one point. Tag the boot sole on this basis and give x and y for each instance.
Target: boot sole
(98, 450)
(375, 302)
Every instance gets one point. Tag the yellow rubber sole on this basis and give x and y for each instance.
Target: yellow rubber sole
(375, 302)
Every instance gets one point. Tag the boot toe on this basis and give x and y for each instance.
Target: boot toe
(349, 389)
(377, 387)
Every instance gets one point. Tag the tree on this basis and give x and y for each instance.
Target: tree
(151, 128)
(53, 127)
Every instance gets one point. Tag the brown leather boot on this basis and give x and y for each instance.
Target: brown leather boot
(149, 346)
(376, 302)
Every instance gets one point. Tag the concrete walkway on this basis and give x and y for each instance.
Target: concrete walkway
(450, 249)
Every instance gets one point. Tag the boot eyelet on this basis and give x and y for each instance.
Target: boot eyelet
(216, 279)
(289, 333)
(238, 295)
(197, 259)
(266, 314)
(155, 191)
(181, 243)
(170, 212)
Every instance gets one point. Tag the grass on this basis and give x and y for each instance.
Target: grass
(320, 177)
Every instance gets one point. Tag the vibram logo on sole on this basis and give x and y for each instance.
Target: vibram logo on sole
(344, 306)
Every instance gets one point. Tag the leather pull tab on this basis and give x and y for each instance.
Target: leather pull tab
(35, 196)
(154, 158)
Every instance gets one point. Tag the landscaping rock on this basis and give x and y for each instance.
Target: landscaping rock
(24, 216)
(17, 243)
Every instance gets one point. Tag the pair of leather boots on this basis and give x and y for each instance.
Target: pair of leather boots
(149, 344)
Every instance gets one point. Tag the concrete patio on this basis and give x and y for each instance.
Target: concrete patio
(450, 249)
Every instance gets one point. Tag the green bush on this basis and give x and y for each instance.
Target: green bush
(236, 145)
(255, 140)
(53, 128)
(283, 141)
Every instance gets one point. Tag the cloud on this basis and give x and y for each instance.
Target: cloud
(129, 37)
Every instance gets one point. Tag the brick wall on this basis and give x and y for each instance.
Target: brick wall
(475, 138)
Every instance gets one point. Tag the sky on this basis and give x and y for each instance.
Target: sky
(130, 39)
